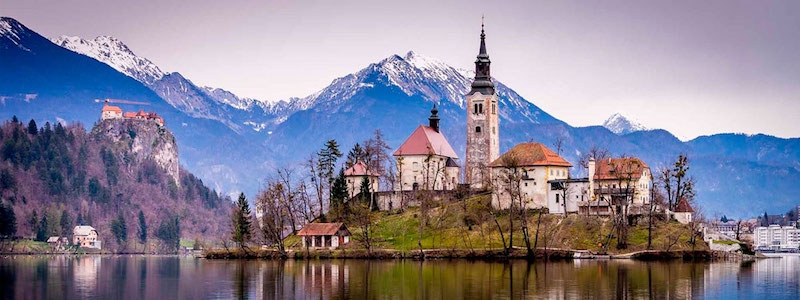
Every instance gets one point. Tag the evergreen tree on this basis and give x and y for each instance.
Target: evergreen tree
(327, 159)
(120, 230)
(66, 223)
(142, 233)
(170, 233)
(356, 154)
(8, 221)
(14, 119)
(79, 221)
(339, 194)
(41, 231)
(32, 129)
(724, 219)
(33, 222)
(241, 221)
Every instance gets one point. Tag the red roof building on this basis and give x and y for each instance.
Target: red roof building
(359, 169)
(530, 154)
(610, 168)
(425, 140)
(324, 235)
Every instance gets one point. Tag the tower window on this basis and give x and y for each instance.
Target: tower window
(494, 109)
(475, 110)
(478, 129)
(480, 108)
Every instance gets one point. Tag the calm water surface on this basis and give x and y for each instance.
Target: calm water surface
(173, 277)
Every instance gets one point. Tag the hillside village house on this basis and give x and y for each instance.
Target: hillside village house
(356, 174)
(114, 112)
(524, 171)
(617, 181)
(324, 235)
(426, 160)
(684, 212)
(86, 237)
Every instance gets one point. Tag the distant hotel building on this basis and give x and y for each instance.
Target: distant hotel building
(776, 237)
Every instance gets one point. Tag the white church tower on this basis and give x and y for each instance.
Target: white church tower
(483, 131)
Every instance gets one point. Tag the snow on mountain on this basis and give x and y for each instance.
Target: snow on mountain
(419, 75)
(11, 29)
(621, 125)
(114, 53)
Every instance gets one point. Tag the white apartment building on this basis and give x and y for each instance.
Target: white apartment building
(776, 237)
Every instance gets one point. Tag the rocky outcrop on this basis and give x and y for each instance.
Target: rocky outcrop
(144, 139)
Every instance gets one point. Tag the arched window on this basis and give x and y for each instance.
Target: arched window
(480, 108)
(475, 110)
(478, 129)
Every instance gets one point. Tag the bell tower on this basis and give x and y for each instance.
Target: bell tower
(483, 141)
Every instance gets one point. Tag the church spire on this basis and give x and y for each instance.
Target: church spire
(483, 79)
(433, 120)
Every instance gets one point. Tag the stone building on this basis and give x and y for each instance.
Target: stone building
(620, 182)
(426, 160)
(483, 131)
(524, 171)
(356, 174)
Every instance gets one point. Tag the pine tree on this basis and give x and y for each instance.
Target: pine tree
(339, 194)
(66, 223)
(33, 222)
(79, 221)
(120, 230)
(356, 154)
(8, 221)
(32, 129)
(41, 231)
(142, 233)
(241, 221)
(327, 159)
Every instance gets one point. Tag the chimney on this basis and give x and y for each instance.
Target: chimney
(433, 120)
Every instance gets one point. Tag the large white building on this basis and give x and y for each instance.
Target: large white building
(776, 237)
(524, 172)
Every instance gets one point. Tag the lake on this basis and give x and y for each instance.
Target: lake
(182, 277)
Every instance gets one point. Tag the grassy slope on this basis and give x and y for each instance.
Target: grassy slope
(446, 229)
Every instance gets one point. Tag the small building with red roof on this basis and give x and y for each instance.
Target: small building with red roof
(683, 212)
(356, 174)
(522, 174)
(626, 181)
(111, 112)
(426, 160)
(324, 235)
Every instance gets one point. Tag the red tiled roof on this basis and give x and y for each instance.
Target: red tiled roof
(605, 168)
(321, 229)
(359, 169)
(424, 141)
(107, 107)
(683, 206)
(530, 154)
(141, 113)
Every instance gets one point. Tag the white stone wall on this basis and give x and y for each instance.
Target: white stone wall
(430, 175)
(576, 191)
(354, 184)
(533, 186)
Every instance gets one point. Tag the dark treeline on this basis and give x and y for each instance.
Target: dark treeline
(53, 177)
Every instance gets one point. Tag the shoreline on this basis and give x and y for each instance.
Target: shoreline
(483, 254)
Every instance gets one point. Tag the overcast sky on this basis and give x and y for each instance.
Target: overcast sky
(691, 67)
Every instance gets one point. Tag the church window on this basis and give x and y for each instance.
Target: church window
(494, 109)
(493, 130)
(475, 109)
(478, 129)
(480, 108)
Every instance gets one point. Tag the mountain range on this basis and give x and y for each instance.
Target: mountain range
(234, 142)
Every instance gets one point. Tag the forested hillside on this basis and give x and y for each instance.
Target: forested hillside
(54, 177)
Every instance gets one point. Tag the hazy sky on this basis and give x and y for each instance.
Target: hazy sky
(691, 67)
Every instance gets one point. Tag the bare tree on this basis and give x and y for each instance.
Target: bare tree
(364, 219)
(678, 184)
(318, 185)
(275, 215)
(509, 182)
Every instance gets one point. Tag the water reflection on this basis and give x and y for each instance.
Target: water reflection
(172, 277)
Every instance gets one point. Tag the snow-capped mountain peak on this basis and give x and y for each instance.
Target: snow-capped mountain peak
(11, 29)
(620, 124)
(114, 53)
